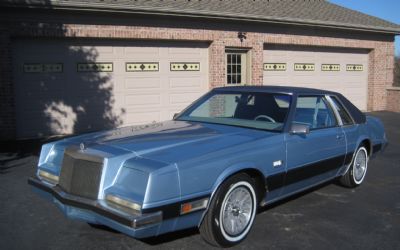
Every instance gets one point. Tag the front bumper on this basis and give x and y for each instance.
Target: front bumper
(133, 222)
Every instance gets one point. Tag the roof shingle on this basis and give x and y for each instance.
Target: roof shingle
(303, 12)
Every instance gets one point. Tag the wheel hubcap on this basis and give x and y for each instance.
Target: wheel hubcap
(237, 211)
(360, 165)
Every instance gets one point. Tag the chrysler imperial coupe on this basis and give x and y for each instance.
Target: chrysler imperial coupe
(232, 151)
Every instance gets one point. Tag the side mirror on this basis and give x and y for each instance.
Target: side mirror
(299, 129)
(175, 116)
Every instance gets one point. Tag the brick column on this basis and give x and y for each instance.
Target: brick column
(257, 61)
(371, 76)
(217, 64)
(7, 112)
(379, 76)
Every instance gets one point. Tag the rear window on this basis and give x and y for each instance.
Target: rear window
(346, 119)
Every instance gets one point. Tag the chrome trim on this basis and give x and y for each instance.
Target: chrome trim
(352, 160)
(333, 107)
(345, 109)
(96, 206)
(77, 153)
(209, 202)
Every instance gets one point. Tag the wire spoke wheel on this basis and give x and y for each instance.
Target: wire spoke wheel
(360, 165)
(231, 213)
(357, 170)
(236, 211)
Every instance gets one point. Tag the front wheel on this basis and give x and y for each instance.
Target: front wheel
(358, 169)
(231, 212)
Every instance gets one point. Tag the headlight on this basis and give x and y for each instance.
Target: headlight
(122, 202)
(53, 179)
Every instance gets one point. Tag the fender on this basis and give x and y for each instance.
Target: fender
(236, 168)
(363, 138)
(359, 140)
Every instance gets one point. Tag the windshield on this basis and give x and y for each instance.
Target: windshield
(266, 111)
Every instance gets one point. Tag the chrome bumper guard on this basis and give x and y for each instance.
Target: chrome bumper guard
(133, 221)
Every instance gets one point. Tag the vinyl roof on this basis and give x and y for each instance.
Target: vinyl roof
(295, 12)
(276, 89)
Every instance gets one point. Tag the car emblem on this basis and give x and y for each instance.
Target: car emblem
(277, 163)
(82, 146)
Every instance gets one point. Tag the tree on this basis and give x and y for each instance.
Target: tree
(396, 81)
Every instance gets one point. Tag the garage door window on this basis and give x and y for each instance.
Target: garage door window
(236, 67)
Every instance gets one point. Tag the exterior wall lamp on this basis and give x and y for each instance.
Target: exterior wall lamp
(242, 36)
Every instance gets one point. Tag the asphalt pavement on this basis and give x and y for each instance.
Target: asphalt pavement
(327, 217)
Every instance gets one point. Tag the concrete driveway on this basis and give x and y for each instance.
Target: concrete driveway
(328, 217)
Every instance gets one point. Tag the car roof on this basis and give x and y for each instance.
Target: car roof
(277, 89)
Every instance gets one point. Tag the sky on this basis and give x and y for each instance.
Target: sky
(385, 9)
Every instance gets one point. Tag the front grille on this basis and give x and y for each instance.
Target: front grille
(81, 174)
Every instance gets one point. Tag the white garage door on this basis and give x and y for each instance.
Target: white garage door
(344, 71)
(65, 86)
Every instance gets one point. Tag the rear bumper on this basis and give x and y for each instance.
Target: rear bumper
(95, 211)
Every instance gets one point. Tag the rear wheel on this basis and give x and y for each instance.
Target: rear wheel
(231, 212)
(358, 169)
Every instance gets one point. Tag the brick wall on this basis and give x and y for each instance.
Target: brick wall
(380, 56)
(393, 99)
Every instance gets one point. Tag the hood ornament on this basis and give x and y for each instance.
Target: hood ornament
(82, 146)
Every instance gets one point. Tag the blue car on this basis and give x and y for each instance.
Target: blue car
(229, 153)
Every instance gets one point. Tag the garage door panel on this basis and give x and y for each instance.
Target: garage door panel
(136, 83)
(277, 80)
(137, 118)
(74, 101)
(177, 83)
(42, 90)
(142, 52)
(140, 100)
(352, 84)
(183, 98)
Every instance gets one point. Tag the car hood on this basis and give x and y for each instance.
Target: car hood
(171, 141)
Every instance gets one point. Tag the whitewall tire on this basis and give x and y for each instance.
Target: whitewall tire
(358, 169)
(231, 213)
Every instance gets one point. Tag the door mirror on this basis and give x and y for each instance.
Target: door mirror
(175, 116)
(299, 129)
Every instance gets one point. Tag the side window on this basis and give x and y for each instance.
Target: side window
(314, 112)
(346, 119)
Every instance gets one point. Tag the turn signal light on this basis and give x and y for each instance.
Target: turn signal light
(194, 206)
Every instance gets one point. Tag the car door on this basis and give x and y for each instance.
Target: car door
(315, 156)
(350, 129)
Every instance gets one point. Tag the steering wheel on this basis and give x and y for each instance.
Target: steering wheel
(265, 117)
